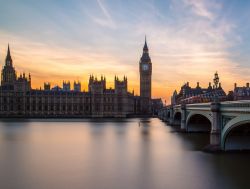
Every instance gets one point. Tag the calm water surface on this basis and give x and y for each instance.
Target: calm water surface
(107, 154)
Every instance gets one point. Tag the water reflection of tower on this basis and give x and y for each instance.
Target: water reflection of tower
(146, 154)
(145, 126)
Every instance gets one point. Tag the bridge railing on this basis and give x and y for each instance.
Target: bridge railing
(236, 106)
(242, 106)
(198, 106)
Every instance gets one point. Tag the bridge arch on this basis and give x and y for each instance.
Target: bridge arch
(177, 118)
(236, 134)
(199, 122)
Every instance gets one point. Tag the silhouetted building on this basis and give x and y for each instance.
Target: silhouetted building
(241, 93)
(18, 99)
(8, 75)
(66, 85)
(77, 86)
(189, 95)
(156, 105)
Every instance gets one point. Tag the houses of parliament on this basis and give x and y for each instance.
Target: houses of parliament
(18, 99)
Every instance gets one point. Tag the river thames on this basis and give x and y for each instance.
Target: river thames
(113, 154)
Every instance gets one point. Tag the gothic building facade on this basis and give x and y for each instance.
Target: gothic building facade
(18, 99)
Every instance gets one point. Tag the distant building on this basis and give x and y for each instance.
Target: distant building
(18, 99)
(9, 79)
(77, 86)
(189, 95)
(156, 105)
(66, 86)
(241, 93)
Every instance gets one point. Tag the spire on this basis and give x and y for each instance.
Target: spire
(145, 55)
(8, 60)
(8, 53)
(145, 48)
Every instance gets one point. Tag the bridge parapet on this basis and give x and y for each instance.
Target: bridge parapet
(242, 106)
(200, 106)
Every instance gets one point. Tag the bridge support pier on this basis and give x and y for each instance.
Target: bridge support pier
(215, 134)
(183, 117)
(171, 119)
(166, 116)
(163, 115)
(215, 139)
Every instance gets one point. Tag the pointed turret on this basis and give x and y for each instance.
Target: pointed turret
(145, 48)
(8, 76)
(8, 51)
(145, 55)
(8, 60)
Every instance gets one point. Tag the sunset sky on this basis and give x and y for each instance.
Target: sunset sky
(189, 40)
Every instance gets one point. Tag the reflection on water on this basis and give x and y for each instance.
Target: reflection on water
(129, 153)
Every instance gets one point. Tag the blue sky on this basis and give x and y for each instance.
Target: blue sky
(188, 40)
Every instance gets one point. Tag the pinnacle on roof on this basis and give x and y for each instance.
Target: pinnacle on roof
(8, 57)
(145, 48)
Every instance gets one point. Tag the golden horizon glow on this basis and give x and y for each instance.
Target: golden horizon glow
(56, 65)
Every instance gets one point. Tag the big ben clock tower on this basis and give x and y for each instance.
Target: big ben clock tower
(145, 67)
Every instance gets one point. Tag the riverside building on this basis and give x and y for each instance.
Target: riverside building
(18, 99)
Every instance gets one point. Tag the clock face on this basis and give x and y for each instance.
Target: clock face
(145, 67)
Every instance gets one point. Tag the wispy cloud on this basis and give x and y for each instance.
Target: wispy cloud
(193, 48)
(105, 20)
(61, 63)
(201, 7)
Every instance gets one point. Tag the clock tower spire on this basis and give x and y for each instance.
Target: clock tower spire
(145, 67)
(145, 48)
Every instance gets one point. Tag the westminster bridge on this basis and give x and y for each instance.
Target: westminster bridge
(227, 122)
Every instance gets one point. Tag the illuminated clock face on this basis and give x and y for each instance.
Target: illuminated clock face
(144, 67)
